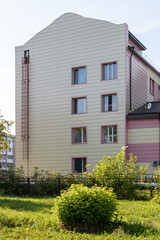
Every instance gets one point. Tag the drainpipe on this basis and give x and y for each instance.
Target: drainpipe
(130, 79)
(159, 139)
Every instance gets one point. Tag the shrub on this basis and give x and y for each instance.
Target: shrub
(80, 206)
(119, 173)
(13, 181)
(45, 183)
(156, 198)
(156, 178)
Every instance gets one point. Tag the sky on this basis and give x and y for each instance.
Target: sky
(20, 20)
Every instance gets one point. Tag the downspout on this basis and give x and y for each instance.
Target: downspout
(159, 139)
(130, 79)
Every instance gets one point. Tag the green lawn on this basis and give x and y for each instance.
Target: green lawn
(33, 218)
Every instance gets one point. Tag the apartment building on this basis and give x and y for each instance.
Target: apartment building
(78, 81)
(7, 158)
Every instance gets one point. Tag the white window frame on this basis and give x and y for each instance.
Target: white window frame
(109, 135)
(103, 103)
(110, 71)
(82, 133)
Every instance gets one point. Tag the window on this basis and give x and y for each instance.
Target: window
(159, 92)
(79, 105)
(79, 75)
(9, 150)
(79, 135)
(109, 134)
(109, 71)
(109, 103)
(79, 165)
(152, 86)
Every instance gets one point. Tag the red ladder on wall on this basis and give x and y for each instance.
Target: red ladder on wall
(25, 110)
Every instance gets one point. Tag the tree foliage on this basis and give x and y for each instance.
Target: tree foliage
(4, 131)
(119, 173)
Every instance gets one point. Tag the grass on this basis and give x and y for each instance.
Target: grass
(33, 218)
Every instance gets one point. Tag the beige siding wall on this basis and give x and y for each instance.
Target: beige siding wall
(68, 42)
(144, 135)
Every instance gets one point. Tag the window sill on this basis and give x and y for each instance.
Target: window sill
(73, 84)
(109, 142)
(78, 113)
(108, 79)
(79, 143)
(109, 111)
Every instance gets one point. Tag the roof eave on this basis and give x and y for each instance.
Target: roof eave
(143, 59)
(142, 116)
(136, 41)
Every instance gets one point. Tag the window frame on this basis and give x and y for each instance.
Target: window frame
(152, 86)
(158, 92)
(72, 135)
(72, 165)
(102, 134)
(102, 102)
(77, 68)
(102, 70)
(73, 99)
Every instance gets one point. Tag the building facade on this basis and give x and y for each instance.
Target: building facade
(7, 158)
(76, 81)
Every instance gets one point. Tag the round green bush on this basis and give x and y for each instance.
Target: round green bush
(81, 206)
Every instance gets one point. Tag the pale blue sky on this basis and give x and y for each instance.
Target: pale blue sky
(21, 19)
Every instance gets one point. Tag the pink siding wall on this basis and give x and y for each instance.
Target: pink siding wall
(139, 82)
(143, 123)
(144, 152)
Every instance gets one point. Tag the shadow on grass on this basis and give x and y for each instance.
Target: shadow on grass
(25, 205)
(135, 229)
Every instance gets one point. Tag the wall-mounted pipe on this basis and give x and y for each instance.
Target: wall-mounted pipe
(130, 77)
(159, 139)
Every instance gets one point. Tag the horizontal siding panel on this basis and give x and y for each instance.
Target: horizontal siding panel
(146, 135)
(53, 53)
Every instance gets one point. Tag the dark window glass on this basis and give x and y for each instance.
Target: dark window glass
(152, 87)
(76, 76)
(84, 135)
(79, 165)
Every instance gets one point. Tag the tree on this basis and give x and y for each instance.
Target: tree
(119, 173)
(4, 131)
